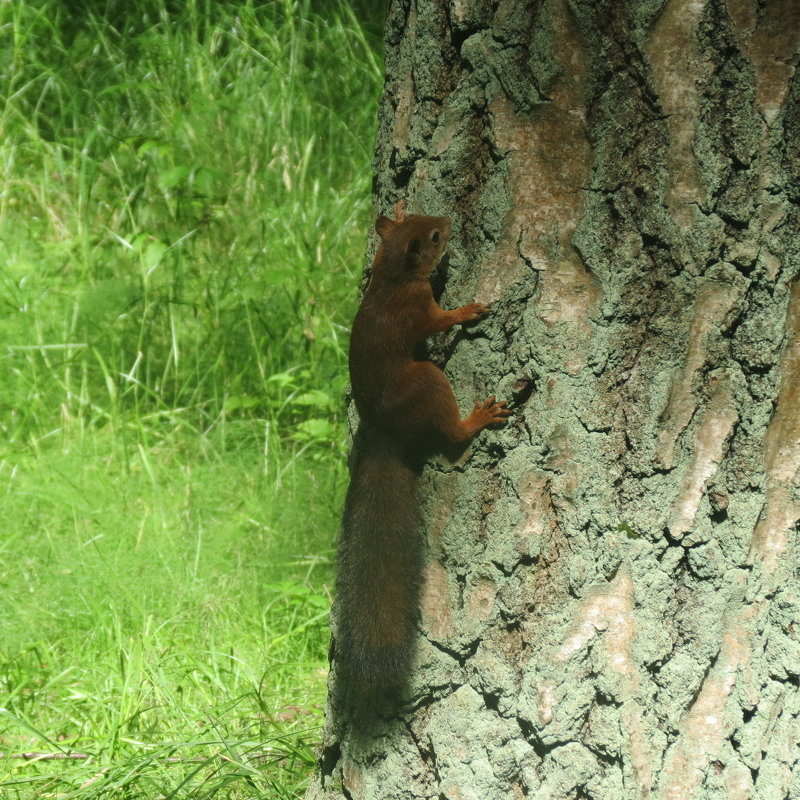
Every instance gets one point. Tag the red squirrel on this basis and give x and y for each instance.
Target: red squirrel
(404, 406)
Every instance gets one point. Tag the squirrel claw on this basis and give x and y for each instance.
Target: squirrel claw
(491, 413)
(474, 311)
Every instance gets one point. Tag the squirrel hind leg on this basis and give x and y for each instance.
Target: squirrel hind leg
(430, 403)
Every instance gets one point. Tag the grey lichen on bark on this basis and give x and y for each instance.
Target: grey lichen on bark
(611, 607)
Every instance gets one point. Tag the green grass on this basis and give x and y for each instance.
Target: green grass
(183, 197)
(159, 603)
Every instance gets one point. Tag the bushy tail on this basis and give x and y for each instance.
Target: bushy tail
(379, 565)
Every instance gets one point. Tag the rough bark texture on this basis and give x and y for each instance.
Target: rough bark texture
(611, 607)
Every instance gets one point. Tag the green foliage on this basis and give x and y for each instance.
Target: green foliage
(183, 198)
(163, 614)
(183, 202)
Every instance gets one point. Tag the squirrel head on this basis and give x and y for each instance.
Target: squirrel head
(413, 245)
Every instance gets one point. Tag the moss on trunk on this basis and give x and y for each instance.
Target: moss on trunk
(611, 604)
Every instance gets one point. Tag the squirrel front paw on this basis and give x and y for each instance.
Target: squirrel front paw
(490, 413)
(473, 311)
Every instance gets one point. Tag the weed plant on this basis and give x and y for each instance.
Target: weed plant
(184, 190)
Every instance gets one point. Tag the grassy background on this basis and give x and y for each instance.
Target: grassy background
(183, 199)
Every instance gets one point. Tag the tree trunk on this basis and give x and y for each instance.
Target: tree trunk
(611, 604)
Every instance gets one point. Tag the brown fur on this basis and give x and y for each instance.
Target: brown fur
(404, 405)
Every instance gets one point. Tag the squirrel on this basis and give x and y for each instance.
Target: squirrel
(404, 406)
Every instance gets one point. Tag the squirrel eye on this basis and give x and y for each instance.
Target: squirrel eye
(435, 236)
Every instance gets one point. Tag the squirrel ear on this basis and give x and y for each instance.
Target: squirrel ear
(384, 226)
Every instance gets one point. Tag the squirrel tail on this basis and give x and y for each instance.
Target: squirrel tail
(379, 564)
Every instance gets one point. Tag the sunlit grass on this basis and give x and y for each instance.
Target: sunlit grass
(183, 195)
(182, 207)
(160, 607)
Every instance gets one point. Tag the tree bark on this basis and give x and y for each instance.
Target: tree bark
(611, 604)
